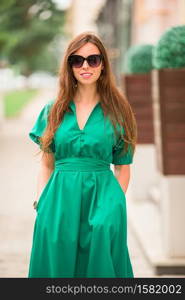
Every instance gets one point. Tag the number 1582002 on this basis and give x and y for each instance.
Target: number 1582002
(159, 289)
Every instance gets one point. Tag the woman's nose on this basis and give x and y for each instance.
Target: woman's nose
(85, 64)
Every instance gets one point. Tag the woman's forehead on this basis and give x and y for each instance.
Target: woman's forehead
(87, 49)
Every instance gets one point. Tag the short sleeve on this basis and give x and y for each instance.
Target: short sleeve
(118, 157)
(40, 126)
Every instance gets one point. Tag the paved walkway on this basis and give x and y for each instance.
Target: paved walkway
(19, 167)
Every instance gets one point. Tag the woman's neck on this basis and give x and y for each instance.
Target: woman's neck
(86, 94)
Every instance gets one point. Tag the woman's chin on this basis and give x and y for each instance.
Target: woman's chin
(87, 82)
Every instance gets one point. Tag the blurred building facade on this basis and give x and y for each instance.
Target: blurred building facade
(82, 16)
(157, 225)
(151, 18)
(122, 23)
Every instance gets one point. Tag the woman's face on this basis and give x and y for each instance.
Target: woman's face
(81, 74)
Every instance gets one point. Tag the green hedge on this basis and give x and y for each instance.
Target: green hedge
(138, 59)
(169, 52)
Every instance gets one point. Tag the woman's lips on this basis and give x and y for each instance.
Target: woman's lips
(86, 75)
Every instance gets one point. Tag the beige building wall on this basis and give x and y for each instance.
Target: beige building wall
(82, 15)
(161, 228)
(152, 18)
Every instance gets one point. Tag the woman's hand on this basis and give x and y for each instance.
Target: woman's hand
(122, 173)
(46, 169)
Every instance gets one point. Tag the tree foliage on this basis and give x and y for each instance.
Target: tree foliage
(27, 29)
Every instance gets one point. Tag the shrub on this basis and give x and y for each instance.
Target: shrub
(169, 52)
(138, 59)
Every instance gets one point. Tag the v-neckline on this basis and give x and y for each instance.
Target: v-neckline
(76, 119)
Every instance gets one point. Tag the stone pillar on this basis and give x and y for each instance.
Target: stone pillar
(137, 88)
(169, 127)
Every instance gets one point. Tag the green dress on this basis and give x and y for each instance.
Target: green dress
(80, 228)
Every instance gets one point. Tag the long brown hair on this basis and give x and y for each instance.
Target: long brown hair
(114, 103)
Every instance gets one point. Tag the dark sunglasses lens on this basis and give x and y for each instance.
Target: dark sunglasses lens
(76, 61)
(94, 60)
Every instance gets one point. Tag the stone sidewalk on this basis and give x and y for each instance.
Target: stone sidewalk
(19, 167)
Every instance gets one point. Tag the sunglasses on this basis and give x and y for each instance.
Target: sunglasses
(77, 61)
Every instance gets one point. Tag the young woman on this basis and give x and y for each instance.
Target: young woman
(81, 224)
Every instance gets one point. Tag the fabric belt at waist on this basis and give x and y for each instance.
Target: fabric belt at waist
(81, 164)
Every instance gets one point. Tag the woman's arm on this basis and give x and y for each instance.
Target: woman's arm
(122, 173)
(46, 168)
